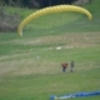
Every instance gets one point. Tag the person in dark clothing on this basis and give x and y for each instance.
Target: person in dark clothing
(72, 65)
(64, 66)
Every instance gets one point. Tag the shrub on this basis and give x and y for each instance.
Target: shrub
(8, 21)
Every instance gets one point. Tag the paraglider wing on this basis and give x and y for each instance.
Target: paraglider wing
(52, 9)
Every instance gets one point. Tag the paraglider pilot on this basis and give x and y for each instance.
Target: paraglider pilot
(64, 66)
(72, 65)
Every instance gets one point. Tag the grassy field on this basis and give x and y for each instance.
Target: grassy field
(30, 67)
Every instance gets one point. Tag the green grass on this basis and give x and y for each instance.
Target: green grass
(30, 67)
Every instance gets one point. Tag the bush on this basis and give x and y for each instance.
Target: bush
(8, 22)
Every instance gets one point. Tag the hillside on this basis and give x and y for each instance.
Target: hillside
(30, 66)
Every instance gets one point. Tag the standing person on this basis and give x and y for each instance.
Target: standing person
(64, 66)
(72, 65)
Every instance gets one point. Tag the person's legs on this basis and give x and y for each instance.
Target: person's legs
(64, 69)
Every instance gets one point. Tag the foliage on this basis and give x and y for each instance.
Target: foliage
(34, 3)
(8, 22)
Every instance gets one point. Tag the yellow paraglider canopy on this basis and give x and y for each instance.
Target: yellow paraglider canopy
(52, 9)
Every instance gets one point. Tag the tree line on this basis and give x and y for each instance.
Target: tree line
(34, 3)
